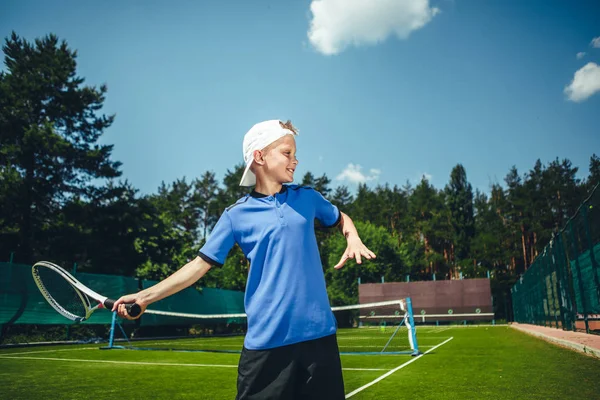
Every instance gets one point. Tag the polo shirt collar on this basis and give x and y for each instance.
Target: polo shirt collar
(258, 195)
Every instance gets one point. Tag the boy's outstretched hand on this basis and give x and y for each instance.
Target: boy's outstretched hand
(119, 306)
(356, 249)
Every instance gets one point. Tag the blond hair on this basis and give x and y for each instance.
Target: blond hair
(288, 125)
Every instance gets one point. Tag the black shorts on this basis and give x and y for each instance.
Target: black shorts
(306, 370)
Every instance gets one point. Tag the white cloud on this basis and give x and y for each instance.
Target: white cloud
(352, 173)
(580, 55)
(595, 42)
(337, 24)
(585, 83)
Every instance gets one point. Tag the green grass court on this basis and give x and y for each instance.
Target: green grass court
(493, 362)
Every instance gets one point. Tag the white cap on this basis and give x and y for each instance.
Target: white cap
(257, 138)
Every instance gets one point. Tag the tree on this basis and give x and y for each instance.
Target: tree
(514, 211)
(231, 190)
(364, 204)
(594, 177)
(343, 283)
(321, 185)
(487, 248)
(181, 205)
(459, 198)
(308, 179)
(49, 132)
(206, 190)
(430, 218)
(342, 197)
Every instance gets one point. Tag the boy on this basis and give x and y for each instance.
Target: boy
(290, 349)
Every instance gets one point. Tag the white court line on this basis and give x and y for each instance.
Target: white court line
(437, 339)
(48, 351)
(345, 338)
(155, 363)
(121, 362)
(360, 389)
(350, 346)
(364, 369)
(198, 340)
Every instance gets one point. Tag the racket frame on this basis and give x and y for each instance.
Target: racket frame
(84, 293)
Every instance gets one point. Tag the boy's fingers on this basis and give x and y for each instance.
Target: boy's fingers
(358, 258)
(114, 307)
(342, 261)
(123, 311)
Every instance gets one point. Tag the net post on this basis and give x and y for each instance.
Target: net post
(394, 334)
(123, 332)
(111, 337)
(112, 330)
(411, 329)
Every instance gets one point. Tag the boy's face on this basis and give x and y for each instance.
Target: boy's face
(280, 159)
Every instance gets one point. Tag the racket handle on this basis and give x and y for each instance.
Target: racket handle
(132, 309)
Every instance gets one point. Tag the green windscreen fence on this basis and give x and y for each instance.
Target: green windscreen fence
(22, 303)
(562, 286)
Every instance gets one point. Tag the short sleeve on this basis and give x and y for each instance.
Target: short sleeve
(219, 242)
(327, 214)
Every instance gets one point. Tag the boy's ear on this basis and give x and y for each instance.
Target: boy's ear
(258, 157)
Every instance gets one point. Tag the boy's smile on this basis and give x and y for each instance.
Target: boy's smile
(280, 159)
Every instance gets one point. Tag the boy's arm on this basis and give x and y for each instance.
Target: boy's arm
(356, 249)
(181, 279)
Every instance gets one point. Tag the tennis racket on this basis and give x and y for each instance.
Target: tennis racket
(71, 298)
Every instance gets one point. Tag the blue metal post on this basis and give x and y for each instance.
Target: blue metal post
(12, 254)
(411, 321)
(382, 280)
(112, 330)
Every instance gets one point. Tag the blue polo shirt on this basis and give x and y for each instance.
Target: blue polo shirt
(286, 300)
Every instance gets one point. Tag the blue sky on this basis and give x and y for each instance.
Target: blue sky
(383, 91)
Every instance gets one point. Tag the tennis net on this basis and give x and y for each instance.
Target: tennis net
(374, 328)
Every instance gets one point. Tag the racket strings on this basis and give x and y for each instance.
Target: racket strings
(61, 294)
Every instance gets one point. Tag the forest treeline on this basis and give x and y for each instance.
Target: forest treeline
(63, 199)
